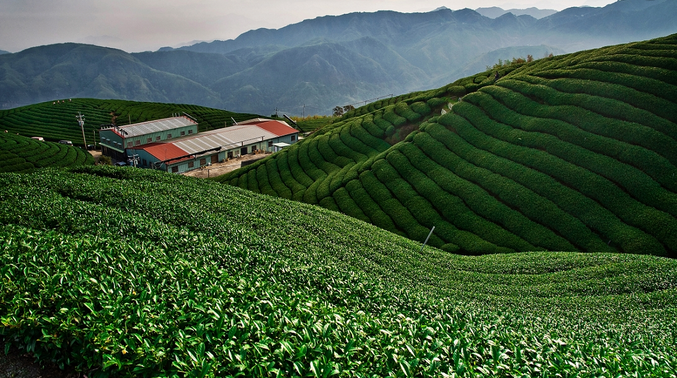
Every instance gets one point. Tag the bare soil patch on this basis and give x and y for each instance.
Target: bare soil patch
(218, 169)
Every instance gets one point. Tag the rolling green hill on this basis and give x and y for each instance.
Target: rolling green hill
(22, 155)
(571, 153)
(126, 272)
(55, 120)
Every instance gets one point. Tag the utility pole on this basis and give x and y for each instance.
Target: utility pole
(81, 122)
(426, 239)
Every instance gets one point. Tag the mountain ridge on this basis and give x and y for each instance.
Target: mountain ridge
(422, 50)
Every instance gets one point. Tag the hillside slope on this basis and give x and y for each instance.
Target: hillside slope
(572, 153)
(22, 154)
(56, 120)
(130, 272)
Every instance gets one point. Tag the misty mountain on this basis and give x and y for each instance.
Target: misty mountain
(480, 63)
(75, 70)
(320, 76)
(314, 65)
(4, 52)
(495, 12)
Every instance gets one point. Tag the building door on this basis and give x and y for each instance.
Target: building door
(243, 151)
(215, 158)
(230, 154)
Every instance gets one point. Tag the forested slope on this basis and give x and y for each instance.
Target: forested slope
(571, 153)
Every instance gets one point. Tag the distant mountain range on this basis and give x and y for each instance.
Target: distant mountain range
(4, 52)
(314, 65)
(495, 12)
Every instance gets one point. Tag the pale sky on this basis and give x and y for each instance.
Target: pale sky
(147, 25)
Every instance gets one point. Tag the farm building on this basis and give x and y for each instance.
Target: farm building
(115, 140)
(191, 152)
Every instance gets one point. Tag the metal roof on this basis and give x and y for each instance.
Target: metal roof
(163, 151)
(229, 137)
(278, 128)
(149, 127)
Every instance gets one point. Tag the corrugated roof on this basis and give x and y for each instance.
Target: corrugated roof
(229, 137)
(155, 126)
(253, 120)
(165, 151)
(278, 128)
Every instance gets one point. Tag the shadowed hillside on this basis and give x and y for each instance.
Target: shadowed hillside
(572, 153)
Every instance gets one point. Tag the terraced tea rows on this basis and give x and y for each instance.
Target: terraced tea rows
(574, 153)
(130, 272)
(21, 154)
(56, 120)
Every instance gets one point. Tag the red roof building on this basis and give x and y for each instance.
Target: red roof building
(276, 127)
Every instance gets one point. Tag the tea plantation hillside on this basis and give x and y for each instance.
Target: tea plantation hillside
(125, 272)
(21, 154)
(56, 120)
(571, 153)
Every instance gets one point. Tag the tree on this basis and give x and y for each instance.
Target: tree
(348, 108)
(338, 111)
(105, 160)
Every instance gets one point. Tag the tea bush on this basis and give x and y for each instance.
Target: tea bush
(575, 152)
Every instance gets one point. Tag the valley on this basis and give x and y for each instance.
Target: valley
(549, 184)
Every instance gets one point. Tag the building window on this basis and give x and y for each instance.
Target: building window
(191, 164)
(175, 169)
(183, 133)
(143, 161)
(157, 138)
(293, 138)
(169, 136)
(137, 142)
(129, 144)
(190, 131)
(253, 149)
(149, 140)
(203, 161)
(270, 143)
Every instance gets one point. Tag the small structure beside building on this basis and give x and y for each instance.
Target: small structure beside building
(173, 144)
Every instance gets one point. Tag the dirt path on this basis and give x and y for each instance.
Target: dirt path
(218, 169)
(96, 154)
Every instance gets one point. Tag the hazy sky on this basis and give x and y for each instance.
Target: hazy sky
(142, 25)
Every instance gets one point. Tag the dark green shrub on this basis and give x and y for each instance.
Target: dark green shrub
(402, 109)
(262, 179)
(276, 181)
(421, 108)
(591, 174)
(306, 164)
(295, 167)
(348, 206)
(396, 120)
(286, 176)
(252, 182)
(588, 211)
